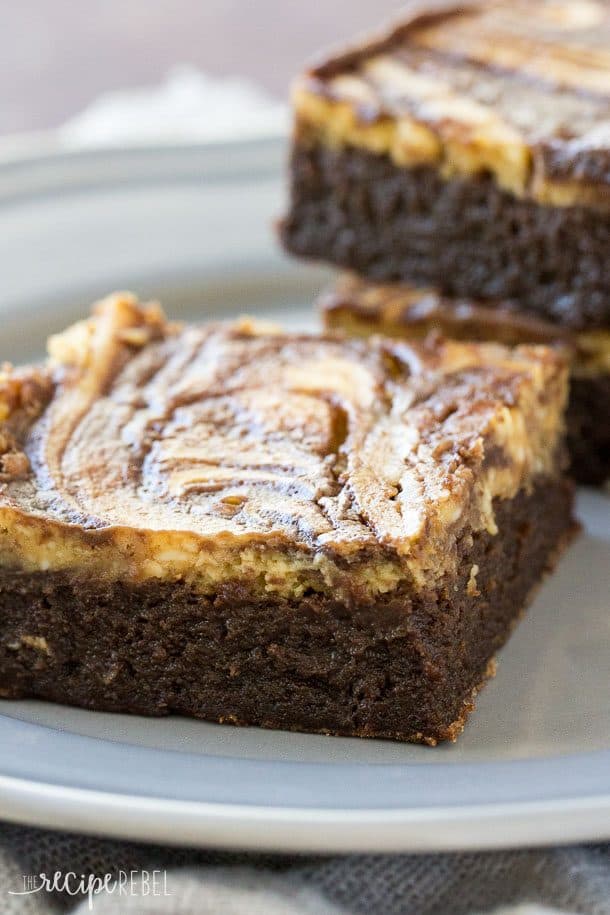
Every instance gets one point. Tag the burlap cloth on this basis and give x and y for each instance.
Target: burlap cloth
(212, 883)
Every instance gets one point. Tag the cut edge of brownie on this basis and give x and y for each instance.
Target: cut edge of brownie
(466, 236)
(588, 429)
(404, 667)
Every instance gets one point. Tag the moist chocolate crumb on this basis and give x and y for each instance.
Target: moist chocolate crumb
(399, 667)
(465, 236)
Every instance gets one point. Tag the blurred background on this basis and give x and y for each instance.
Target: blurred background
(58, 55)
(189, 222)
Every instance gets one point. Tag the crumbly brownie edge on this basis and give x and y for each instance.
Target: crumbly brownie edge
(464, 235)
(401, 669)
(589, 430)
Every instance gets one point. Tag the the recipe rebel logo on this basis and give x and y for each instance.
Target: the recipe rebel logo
(140, 883)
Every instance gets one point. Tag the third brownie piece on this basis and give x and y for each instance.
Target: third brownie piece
(402, 311)
(255, 527)
(469, 150)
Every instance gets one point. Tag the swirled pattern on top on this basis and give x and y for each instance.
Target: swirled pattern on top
(361, 307)
(148, 448)
(516, 89)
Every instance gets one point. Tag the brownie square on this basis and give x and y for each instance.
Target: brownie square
(469, 150)
(254, 527)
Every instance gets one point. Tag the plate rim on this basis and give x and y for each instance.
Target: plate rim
(292, 829)
(32, 168)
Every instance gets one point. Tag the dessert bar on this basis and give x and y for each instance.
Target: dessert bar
(272, 529)
(469, 150)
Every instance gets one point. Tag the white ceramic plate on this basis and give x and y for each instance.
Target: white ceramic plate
(192, 225)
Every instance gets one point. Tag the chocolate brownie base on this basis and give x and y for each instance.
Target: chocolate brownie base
(405, 667)
(589, 430)
(463, 235)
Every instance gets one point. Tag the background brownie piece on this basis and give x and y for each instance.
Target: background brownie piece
(469, 150)
(408, 312)
(292, 531)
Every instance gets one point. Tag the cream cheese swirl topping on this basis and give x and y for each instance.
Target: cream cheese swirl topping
(161, 449)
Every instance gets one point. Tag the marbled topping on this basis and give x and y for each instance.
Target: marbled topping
(23, 396)
(516, 88)
(295, 462)
(401, 310)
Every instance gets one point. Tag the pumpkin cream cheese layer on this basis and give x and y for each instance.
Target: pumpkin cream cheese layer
(357, 307)
(519, 90)
(149, 450)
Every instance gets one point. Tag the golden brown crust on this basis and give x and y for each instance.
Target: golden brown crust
(292, 461)
(517, 89)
